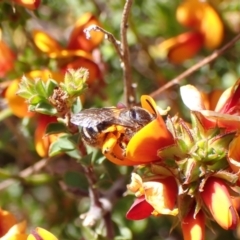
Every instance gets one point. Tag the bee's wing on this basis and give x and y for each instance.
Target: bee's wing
(95, 116)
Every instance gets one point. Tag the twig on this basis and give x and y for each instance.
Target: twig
(109, 36)
(25, 173)
(122, 51)
(129, 92)
(195, 67)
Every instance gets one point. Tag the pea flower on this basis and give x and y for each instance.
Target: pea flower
(200, 16)
(7, 58)
(78, 50)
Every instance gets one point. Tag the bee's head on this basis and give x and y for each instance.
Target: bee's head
(140, 115)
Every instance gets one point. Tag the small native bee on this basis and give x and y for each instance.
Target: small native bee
(106, 127)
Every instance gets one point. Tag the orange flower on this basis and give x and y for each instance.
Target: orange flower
(30, 4)
(179, 48)
(7, 58)
(160, 193)
(218, 200)
(207, 31)
(226, 110)
(194, 226)
(42, 142)
(202, 17)
(77, 53)
(7, 220)
(143, 146)
(10, 229)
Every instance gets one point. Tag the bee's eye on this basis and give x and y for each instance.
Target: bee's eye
(140, 116)
(135, 114)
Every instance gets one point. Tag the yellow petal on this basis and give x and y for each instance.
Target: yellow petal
(45, 42)
(40, 233)
(30, 4)
(217, 199)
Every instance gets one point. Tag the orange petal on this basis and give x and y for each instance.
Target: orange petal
(116, 157)
(43, 142)
(194, 226)
(45, 42)
(17, 104)
(7, 220)
(30, 4)
(78, 38)
(16, 232)
(217, 199)
(145, 143)
(7, 58)
(203, 18)
(187, 46)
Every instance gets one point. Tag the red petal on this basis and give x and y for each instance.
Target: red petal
(139, 210)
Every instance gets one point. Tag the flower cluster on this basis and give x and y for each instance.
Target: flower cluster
(10, 229)
(188, 170)
(199, 16)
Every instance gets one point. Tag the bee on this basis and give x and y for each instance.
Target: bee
(105, 127)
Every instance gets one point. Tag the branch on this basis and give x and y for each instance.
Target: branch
(109, 36)
(26, 172)
(195, 67)
(129, 92)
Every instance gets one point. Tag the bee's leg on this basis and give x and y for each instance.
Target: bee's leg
(114, 128)
(109, 143)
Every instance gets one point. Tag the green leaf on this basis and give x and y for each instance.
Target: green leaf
(76, 179)
(45, 108)
(87, 159)
(36, 99)
(57, 127)
(24, 93)
(77, 105)
(40, 88)
(65, 143)
(74, 154)
(55, 149)
(50, 86)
